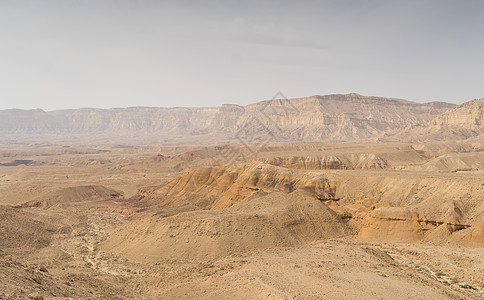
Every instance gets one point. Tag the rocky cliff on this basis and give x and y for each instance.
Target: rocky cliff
(330, 117)
(468, 115)
(220, 187)
(463, 122)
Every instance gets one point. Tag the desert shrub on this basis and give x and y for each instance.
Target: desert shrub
(468, 287)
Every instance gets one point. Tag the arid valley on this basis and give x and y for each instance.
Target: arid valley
(324, 197)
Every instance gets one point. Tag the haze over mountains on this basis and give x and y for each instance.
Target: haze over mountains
(317, 118)
(124, 176)
(153, 203)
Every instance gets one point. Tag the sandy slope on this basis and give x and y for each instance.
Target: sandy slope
(275, 220)
(332, 269)
(106, 231)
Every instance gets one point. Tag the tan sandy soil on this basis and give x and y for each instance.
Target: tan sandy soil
(298, 221)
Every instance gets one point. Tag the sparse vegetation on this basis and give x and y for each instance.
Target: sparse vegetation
(468, 287)
(440, 274)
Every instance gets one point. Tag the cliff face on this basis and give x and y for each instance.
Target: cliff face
(341, 162)
(464, 122)
(331, 117)
(221, 187)
(468, 115)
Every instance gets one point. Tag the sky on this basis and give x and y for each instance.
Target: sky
(105, 53)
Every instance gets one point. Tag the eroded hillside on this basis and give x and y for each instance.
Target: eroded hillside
(464, 122)
(173, 222)
(331, 117)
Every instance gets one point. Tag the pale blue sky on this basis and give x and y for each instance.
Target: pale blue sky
(71, 54)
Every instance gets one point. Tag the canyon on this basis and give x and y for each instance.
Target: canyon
(324, 197)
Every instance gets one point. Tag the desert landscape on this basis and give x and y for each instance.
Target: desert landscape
(325, 197)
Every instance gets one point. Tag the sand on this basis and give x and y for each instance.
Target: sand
(294, 221)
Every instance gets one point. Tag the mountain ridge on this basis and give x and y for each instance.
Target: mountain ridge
(334, 117)
(466, 121)
(354, 95)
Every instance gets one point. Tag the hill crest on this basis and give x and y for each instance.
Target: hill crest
(335, 117)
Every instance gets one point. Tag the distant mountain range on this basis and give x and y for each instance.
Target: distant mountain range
(466, 121)
(350, 117)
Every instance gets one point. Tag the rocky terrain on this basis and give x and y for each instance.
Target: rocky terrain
(332, 117)
(384, 213)
(297, 220)
(463, 122)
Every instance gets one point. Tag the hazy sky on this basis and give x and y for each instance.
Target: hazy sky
(71, 54)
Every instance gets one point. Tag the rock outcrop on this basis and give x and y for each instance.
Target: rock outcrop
(399, 224)
(363, 161)
(469, 115)
(220, 187)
